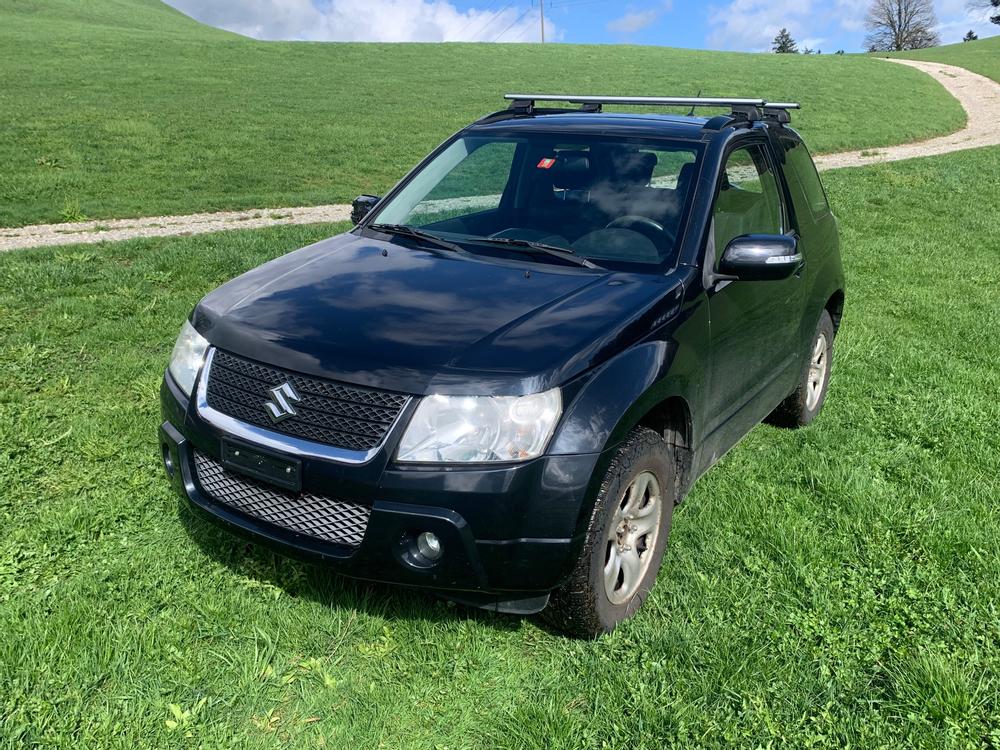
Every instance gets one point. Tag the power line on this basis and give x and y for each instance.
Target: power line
(492, 19)
(525, 31)
(474, 19)
(527, 28)
(572, 3)
(515, 23)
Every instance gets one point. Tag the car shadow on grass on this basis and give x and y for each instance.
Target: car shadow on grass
(304, 580)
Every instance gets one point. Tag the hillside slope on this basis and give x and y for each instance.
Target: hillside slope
(116, 108)
(982, 56)
(65, 17)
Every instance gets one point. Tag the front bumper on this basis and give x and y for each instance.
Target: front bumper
(507, 533)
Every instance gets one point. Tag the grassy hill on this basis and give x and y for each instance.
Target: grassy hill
(61, 18)
(982, 56)
(114, 108)
(831, 587)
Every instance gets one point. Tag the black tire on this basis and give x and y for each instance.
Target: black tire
(801, 408)
(581, 607)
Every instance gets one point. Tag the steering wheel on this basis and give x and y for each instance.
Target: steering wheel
(660, 236)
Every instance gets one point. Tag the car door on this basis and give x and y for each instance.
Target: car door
(754, 325)
(815, 221)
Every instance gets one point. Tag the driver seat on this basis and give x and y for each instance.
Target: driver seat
(626, 189)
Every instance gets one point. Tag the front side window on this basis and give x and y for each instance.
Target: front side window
(616, 202)
(749, 201)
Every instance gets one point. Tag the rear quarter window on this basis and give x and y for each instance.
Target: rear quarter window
(804, 179)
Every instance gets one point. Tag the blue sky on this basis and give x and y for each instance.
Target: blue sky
(746, 25)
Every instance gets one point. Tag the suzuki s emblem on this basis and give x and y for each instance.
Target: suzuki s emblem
(280, 406)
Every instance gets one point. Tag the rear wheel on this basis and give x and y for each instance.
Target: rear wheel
(805, 402)
(625, 540)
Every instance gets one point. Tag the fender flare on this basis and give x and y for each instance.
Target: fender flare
(616, 397)
(613, 401)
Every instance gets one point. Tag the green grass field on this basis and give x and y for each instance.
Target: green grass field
(118, 108)
(832, 587)
(982, 56)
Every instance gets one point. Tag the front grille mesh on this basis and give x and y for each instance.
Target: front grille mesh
(324, 518)
(331, 413)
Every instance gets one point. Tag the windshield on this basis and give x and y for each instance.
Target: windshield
(618, 202)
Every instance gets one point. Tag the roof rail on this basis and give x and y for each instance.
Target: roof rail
(749, 109)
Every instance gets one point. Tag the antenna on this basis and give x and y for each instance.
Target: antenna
(694, 106)
(541, 14)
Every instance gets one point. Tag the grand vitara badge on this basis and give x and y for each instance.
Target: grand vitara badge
(280, 406)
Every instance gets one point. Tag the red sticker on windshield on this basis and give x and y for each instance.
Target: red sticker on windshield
(546, 163)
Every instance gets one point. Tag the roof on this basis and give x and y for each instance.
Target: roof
(625, 124)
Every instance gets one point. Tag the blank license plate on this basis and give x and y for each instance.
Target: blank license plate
(283, 472)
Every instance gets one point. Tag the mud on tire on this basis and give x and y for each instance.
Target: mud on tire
(624, 544)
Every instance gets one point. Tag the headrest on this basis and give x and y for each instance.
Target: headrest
(632, 167)
(571, 171)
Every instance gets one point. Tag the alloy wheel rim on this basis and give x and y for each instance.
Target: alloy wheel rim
(632, 536)
(818, 371)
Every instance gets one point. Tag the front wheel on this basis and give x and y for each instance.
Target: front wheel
(805, 402)
(625, 540)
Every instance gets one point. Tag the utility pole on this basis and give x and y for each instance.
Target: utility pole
(541, 13)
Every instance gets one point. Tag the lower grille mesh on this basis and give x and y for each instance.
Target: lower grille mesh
(317, 516)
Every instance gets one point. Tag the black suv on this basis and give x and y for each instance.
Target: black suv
(500, 383)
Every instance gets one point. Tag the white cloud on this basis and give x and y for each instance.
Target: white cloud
(751, 25)
(635, 21)
(368, 20)
(955, 18)
(850, 14)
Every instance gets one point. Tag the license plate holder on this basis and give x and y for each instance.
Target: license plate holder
(277, 470)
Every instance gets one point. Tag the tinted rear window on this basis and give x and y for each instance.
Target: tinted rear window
(801, 172)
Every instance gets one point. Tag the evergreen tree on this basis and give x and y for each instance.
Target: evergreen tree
(784, 44)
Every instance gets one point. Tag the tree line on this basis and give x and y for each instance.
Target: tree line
(894, 26)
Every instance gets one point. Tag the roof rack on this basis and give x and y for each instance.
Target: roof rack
(748, 109)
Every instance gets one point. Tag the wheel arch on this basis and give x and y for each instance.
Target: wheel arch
(671, 418)
(835, 306)
(649, 382)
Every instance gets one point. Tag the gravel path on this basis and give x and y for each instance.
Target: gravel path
(979, 95)
(109, 230)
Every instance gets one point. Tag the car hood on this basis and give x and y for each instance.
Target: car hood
(414, 320)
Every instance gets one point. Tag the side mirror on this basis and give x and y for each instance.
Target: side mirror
(761, 257)
(362, 206)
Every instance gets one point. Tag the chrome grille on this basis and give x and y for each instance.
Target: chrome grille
(334, 414)
(325, 518)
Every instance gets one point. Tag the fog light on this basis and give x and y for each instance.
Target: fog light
(429, 546)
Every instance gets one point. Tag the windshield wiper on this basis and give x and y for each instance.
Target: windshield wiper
(562, 253)
(418, 234)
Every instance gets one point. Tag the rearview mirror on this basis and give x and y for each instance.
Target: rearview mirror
(362, 206)
(761, 257)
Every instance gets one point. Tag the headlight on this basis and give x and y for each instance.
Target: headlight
(188, 357)
(480, 429)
